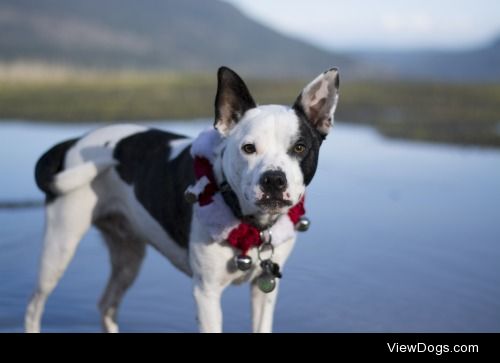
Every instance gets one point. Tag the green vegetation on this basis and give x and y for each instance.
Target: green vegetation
(454, 113)
(465, 114)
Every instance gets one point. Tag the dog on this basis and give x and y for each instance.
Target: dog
(130, 182)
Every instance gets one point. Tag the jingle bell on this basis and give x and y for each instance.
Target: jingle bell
(303, 224)
(266, 283)
(243, 262)
(190, 197)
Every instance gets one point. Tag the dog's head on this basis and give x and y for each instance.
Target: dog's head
(270, 153)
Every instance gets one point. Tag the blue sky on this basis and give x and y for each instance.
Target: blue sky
(382, 24)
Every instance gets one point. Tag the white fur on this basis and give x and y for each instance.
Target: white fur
(99, 143)
(79, 176)
(211, 276)
(91, 156)
(207, 145)
(67, 220)
(217, 218)
(177, 147)
(273, 129)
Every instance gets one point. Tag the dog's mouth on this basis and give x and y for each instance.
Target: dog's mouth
(272, 204)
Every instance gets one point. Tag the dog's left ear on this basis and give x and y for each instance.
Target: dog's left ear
(232, 100)
(318, 100)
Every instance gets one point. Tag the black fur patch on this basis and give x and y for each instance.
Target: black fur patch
(49, 164)
(159, 184)
(312, 139)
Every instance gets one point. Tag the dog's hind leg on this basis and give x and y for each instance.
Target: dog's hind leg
(126, 255)
(68, 217)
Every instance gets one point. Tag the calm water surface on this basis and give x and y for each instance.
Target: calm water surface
(405, 237)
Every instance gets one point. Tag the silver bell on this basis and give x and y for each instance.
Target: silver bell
(303, 224)
(190, 197)
(243, 262)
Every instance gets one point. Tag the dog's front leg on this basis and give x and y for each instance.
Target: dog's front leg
(263, 308)
(208, 302)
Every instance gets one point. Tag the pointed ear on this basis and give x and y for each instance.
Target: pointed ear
(232, 100)
(318, 100)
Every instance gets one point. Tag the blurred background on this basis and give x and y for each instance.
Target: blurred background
(406, 202)
(420, 70)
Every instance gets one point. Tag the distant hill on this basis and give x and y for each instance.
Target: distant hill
(190, 35)
(201, 35)
(477, 65)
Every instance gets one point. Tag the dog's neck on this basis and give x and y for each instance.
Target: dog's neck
(261, 221)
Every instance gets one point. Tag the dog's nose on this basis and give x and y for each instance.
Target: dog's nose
(273, 181)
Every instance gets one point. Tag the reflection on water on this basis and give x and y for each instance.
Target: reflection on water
(404, 237)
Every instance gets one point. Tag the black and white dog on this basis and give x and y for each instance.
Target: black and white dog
(130, 181)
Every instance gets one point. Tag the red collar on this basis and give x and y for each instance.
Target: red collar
(244, 236)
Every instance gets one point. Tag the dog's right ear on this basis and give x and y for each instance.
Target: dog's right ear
(232, 100)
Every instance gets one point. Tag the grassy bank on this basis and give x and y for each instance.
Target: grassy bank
(453, 113)
(467, 114)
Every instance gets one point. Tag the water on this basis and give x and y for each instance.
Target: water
(404, 238)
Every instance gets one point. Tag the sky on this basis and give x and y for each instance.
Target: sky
(382, 24)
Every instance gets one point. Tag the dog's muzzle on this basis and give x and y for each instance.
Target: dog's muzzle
(273, 182)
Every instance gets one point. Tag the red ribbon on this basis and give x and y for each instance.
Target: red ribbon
(203, 167)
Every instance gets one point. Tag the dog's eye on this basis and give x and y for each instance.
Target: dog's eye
(249, 148)
(299, 148)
